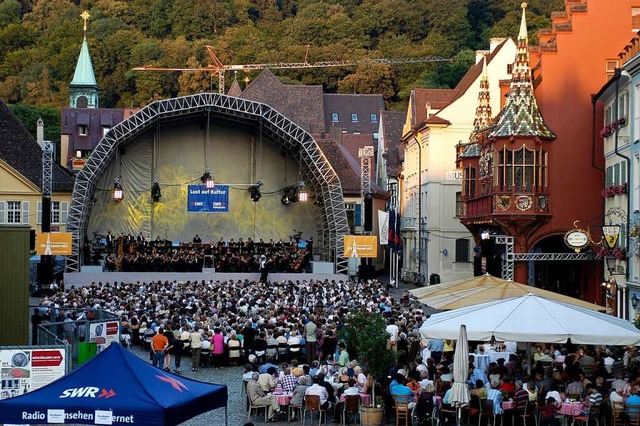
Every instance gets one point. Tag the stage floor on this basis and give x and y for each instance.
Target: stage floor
(80, 279)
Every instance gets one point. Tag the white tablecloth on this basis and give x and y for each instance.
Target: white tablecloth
(482, 360)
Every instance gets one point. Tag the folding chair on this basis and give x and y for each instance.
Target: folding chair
(256, 408)
(312, 404)
(402, 409)
(351, 407)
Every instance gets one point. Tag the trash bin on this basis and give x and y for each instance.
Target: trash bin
(86, 351)
(434, 279)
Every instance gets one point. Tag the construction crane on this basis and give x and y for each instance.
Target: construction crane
(216, 66)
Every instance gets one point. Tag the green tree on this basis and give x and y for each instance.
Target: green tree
(366, 339)
(10, 12)
(192, 19)
(370, 79)
(29, 114)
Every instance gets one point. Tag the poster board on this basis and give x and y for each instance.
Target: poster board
(25, 370)
(104, 333)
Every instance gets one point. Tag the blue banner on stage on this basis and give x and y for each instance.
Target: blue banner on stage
(203, 200)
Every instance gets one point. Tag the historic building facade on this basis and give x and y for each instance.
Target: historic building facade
(544, 159)
(437, 247)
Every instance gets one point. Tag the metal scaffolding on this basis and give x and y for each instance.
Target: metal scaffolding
(509, 257)
(47, 168)
(286, 135)
(365, 155)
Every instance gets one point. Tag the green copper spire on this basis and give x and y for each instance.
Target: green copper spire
(84, 88)
(84, 75)
(521, 115)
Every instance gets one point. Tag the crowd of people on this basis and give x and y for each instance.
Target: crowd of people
(137, 254)
(288, 333)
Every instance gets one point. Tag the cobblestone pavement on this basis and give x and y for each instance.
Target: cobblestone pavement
(232, 377)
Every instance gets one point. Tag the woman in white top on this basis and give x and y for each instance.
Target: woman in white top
(361, 379)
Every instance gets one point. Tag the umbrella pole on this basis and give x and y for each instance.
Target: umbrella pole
(459, 415)
(226, 417)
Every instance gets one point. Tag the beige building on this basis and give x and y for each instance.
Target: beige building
(439, 120)
(21, 178)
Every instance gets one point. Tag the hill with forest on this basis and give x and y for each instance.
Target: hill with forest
(40, 42)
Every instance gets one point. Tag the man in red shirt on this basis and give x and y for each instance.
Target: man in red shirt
(159, 343)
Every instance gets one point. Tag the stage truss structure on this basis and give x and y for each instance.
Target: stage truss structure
(509, 257)
(286, 135)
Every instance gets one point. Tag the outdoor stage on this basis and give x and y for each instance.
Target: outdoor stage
(322, 271)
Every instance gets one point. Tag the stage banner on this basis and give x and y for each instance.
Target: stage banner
(54, 243)
(360, 246)
(200, 199)
(383, 227)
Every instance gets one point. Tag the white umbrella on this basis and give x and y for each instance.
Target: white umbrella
(532, 318)
(460, 391)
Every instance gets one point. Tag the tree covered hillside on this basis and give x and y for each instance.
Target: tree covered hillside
(40, 41)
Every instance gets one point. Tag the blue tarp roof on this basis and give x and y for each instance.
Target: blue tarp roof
(118, 381)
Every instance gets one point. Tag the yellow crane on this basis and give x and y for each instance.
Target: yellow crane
(216, 66)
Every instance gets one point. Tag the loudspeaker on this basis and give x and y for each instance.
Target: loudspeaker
(368, 213)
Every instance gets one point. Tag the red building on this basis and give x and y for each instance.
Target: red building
(538, 168)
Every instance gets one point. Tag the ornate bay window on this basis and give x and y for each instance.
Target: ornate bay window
(522, 170)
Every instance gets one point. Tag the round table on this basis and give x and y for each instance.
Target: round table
(283, 398)
(571, 408)
(364, 398)
(508, 404)
(483, 360)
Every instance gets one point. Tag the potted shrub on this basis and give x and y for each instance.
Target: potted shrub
(366, 339)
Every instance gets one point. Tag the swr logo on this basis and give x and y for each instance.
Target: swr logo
(87, 392)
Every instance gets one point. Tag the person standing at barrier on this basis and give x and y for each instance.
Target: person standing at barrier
(36, 320)
(69, 327)
(159, 344)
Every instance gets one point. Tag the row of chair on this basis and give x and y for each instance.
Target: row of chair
(312, 406)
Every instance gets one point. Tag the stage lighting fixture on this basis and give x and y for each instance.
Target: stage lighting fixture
(118, 192)
(156, 192)
(207, 179)
(291, 193)
(254, 190)
(303, 196)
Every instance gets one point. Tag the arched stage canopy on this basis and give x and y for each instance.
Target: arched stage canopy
(282, 132)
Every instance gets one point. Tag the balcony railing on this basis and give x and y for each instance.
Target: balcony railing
(498, 203)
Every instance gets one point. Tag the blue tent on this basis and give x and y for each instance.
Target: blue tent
(118, 388)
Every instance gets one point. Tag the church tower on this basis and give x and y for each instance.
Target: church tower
(83, 90)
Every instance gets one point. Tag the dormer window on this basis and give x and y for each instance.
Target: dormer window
(354, 118)
(334, 117)
(374, 118)
(83, 129)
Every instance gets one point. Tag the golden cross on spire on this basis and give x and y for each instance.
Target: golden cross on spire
(85, 16)
(523, 5)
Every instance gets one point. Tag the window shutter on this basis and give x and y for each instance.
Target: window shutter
(39, 215)
(64, 212)
(25, 212)
(3, 212)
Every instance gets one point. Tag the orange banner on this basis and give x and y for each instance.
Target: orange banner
(53, 243)
(360, 246)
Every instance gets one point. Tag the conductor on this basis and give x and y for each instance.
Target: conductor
(264, 270)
